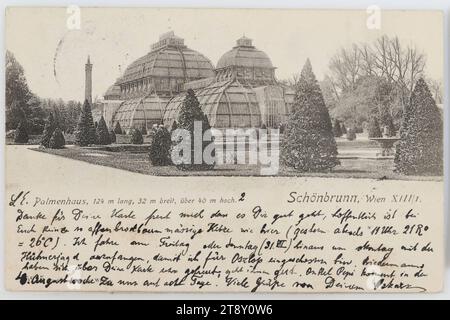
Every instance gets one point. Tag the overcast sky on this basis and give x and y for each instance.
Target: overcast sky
(53, 56)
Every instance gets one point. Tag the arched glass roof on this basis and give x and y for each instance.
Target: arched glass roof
(133, 113)
(227, 104)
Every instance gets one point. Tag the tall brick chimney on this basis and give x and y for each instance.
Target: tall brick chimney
(88, 81)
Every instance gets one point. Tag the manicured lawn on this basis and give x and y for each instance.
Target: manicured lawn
(139, 162)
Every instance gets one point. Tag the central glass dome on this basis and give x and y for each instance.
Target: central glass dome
(165, 69)
(152, 80)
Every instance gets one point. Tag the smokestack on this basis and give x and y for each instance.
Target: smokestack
(88, 81)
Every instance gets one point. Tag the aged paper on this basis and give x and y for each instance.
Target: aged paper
(326, 170)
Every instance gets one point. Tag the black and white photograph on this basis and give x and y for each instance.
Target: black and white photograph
(224, 150)
(331, 104)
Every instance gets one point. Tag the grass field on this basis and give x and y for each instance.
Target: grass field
(139, 162)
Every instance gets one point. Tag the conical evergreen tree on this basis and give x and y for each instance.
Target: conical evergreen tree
(420, 149)
(50, 126)
(337, 130)
(57, 140)
(343, 129)
(309, 143)
(103, 136)
(191, 112)
(374, 128)
(118, 128)
(85, 133)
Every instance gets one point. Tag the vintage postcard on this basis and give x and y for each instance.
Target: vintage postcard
(224, 150)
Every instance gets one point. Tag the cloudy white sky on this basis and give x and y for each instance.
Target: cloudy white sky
(53, 56)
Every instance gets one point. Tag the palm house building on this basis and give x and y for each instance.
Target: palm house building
(241, 92)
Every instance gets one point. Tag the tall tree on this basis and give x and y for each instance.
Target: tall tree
(85, 133)
(309, 144)
(36, 115)
(346, 68)
(387, 57)
(17, 92)
(372, 94)
(420, 150)
(190, 113)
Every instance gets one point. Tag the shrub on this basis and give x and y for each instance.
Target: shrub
(21, 133)
(351, 134)
(103, 136)
(309, 144)
(343, 129)
(118, 128)
(136, 137)
(57, 140)
(85, 133)
(160, 147)
(420, 149)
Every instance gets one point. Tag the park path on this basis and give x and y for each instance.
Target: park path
(21, 157)
(43, 171)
